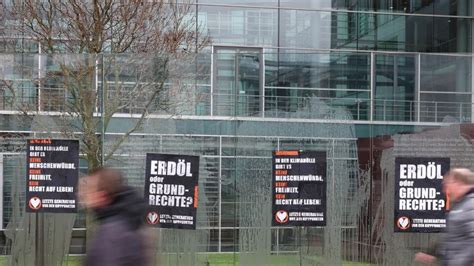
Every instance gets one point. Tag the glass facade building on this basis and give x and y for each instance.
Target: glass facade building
(365, 81)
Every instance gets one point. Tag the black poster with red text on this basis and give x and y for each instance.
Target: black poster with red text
(52, 175)
(299, 188)
(420, 204)
(171, 189)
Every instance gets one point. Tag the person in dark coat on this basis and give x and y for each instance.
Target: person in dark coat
(457, 245)
(119, 211)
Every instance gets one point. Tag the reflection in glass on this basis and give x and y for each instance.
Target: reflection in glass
(240, 26)
(238, 82)
(445, 88)
(299, 82)
(266, 3)
(437, 7)
(394, 98)
(400, 33)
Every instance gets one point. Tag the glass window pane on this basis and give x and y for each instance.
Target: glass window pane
(399, 33)
(298, 81)
(394, 88)
(269, 3)
(305, 29)
(312, 4)
(240, 26)
(445, 73)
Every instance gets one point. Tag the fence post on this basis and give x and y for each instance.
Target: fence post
(384, 104)
(358, 109)
(276, 106)
(436, 111)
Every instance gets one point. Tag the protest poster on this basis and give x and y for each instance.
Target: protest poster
(52, 175)
(420, 204)
(299, 188)
(171, 189)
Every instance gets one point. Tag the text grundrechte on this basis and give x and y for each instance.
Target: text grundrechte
(420, 198)
(169, 194)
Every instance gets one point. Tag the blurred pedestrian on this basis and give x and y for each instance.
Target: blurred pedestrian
(457, 246)
(119, 211)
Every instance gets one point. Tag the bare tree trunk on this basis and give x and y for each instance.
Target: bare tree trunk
(91, 139)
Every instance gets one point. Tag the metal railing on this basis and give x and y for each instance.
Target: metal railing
(241, 105)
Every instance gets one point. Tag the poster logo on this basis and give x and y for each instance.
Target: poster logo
(281, 216)
(403, 223)
(152, 218)
(35, 203)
